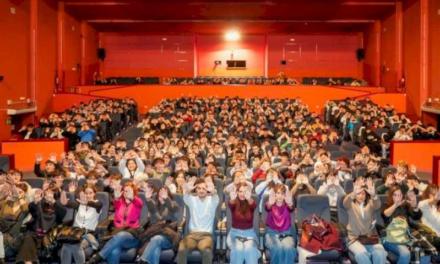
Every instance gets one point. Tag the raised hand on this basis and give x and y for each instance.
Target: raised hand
(169, 180)
(289, 197)
(357, 187)
(271, 200)
(63, 198)
(163, 194)
(191, 183)
(53, 157)
(82, 198)
(304, 179)
(248, 194)
(46, 184)
(370, 187)
(437, 196)
(106, 182)
(128, 193)
(148, 192)
(233, 194)
(210, 186)
(38, 158)
(38, 195)
(399, 203)
(117, 190)
(49, 197)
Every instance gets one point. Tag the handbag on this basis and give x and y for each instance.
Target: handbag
(6, 224)
(70, 234)
(317, 234)
(397, 231)
(368, 240)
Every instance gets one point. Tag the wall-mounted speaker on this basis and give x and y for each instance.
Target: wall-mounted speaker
(360, 54)
(283, 62)
(1, 78)
(101, 53)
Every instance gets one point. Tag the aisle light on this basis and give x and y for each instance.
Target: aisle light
(232, 35)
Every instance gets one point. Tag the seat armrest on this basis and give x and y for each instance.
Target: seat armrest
(181, 226)
(103, 226)
(223, 210)
(261, 234)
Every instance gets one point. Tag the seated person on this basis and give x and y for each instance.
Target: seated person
(202, 209)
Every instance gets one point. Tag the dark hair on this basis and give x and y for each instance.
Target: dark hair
(115, 176)
(391, 191)
(199, 181)
(243, 205)
(128, 160)
(23, 186)
(429, 190)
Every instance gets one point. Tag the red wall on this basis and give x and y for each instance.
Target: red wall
(89, 45)
(14, 56)
(425, 149)
(147, 55)
(389, 53)
(46, 54)
(372, 46)
(308, 55)
(434, 51)
(315, 55)
(411, 55)
(212, 48)
(25, 151)
(71, 51)
(16, 59)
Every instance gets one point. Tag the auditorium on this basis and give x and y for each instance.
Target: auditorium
(219, 131)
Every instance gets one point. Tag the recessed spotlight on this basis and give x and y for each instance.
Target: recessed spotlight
(292, 39)
(164, 39)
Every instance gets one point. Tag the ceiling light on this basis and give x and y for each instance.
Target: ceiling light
(232, 35)
(164, 39)
(292, 39)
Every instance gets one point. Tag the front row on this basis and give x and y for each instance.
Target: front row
(145, 225)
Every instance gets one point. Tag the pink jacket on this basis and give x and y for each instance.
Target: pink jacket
(127, 215)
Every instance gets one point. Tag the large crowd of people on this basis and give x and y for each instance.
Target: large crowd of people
(207, 170)
(364, 122)
(97, 121)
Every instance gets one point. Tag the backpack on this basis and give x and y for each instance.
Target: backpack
(398, 231)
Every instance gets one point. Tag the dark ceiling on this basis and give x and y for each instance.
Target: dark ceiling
(206, 17)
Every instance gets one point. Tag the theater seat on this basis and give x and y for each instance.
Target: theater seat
(307, 205)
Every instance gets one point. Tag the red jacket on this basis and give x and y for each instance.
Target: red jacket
(258, 174)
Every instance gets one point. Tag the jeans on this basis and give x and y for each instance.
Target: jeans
(79, 251)
(282, 249)
(367, 254)
(401, 251)
(69, 251)
(154, 247)
(113, 248)
(2, 246)
(243, 251)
